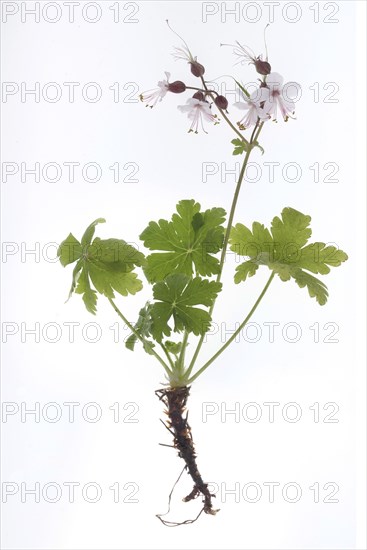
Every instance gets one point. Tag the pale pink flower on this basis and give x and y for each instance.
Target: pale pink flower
(253, 110)
(197, 111)
(276, 95)
(151, 97)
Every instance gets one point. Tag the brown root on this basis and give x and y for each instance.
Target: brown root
(175, 400)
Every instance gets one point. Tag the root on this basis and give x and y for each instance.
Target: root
(175, 400)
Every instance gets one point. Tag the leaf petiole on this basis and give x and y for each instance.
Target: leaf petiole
(181, 359)
(167, 355)
(235, 334)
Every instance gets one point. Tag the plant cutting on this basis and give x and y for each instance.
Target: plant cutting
(185, 255)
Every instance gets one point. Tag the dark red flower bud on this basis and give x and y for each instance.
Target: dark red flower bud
(197, 69)
(199, 95)
(221, 102)
(176, 87)
(262, 67)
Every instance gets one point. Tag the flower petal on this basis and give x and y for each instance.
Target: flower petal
(289, 105)
(291, 90)
(184, 108)
(263, 94)
(262, 114)
(270, 107)
(242, 105)
(274, 80)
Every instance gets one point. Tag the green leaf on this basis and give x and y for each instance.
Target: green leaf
(317, 258)
(143, 327)
(173, 347)
(108, 264)
(115, 253)
(188, 243)
(316, 289)
(240, 146)
(75, 277)
(249, 243)
(247, 269)
(175, 297)
(285, 251)
(106, 281)
(89, 295)
(69, 250)
(293, 228)
(241, 87)
(89, 232)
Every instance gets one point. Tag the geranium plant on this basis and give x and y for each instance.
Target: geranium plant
(186, 254)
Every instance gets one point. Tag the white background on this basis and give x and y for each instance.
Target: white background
(169, 169)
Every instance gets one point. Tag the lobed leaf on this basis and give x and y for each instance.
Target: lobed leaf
(240, 146)
(188, 243)
(285, 251)
(175, 297)
(108, 264)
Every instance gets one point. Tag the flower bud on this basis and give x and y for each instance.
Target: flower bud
(199, 95)
(176, 87)
(197, 69)
(262, 67)
(221, 102)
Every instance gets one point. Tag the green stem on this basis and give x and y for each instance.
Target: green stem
(255, 135)
(204, 91)
(168, 356)
(166, 368)
(181, 359)
(235, 334)
(230, 124)
(233, 209)
(210, 92)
